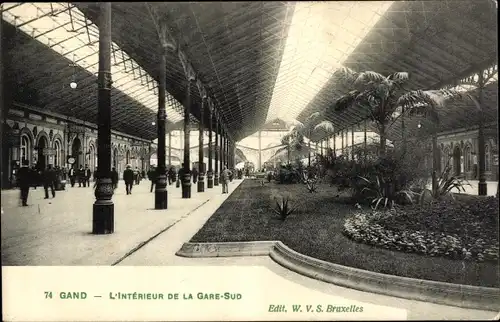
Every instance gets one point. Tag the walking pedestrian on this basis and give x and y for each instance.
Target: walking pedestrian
(24, 177)
(128, 177)
(49, 180)
(80, 176)
(88, 174)
(152, 176)
(195, 175)
(72, 175)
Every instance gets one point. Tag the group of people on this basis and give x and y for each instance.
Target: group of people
(51, 177)
(27, 178)
(81, 175)
(176, 176)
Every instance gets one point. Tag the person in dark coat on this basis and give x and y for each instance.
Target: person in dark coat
(172, 173)
(128, 177)
(195, 175)
(137, 175)
(114, 177)
(49, 180)
(24, 177)
(35, 177)
(72, 175)
(180, 175)
(152, 176)
(80, 176)
(88, 174)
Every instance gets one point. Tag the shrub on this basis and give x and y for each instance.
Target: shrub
(283, 207)
(445, 184)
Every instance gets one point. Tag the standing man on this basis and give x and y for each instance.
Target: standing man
(152, 176)
(72, 175)
(224, 176)
(80, 176)
(88, 174)
(24, 177)
(195, 174)
(180, 174)
(128, 177)
(49, 180)
(35, 179)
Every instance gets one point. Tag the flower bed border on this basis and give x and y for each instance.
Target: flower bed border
(465, 296)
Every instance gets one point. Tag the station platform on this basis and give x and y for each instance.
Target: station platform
(58, 231)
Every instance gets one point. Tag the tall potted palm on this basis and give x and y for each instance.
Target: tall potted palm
(385, 98)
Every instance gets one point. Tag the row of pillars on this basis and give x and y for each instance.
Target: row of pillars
(344, 135)
(482, 185)
(103, 209)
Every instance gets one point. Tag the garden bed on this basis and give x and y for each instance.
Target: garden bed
(464, 230)
(315, 229)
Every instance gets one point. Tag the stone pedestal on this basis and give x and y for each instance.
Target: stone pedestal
(103, 213)
(201, 182)
(210, 180)
(161, 193)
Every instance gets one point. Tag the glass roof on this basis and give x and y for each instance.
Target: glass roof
(64, 29)
(316, 47)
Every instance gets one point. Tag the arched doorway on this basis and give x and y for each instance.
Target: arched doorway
(92, 159)
(76, 151)
(58, 153)
(42, 158)
(456, 160)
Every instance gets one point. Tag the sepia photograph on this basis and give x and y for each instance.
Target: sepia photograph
(249, 161)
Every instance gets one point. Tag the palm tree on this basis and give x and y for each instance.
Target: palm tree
(293, 140)
(307, 130)
(326, 126)
(373, 92)
(386, 99)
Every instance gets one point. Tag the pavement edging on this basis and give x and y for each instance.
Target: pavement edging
(232, 249)
(464, 296)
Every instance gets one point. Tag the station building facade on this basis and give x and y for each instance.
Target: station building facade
(41, 138)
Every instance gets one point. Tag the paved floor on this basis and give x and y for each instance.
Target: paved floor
(56, 232)
(472, 189)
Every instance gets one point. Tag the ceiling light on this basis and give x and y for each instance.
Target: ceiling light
(419, 125)
(73, 85)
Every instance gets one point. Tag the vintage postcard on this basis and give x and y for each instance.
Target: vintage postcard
(249, 161)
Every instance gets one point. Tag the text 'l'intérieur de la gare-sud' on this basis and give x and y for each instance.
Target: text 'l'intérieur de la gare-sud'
(146, 296)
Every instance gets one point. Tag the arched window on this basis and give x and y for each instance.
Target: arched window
(25, 149)
(57, 155)
(468, 158)
(487, 158)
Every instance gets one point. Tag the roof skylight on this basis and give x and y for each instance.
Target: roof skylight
(321, 37)
(63, 28)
